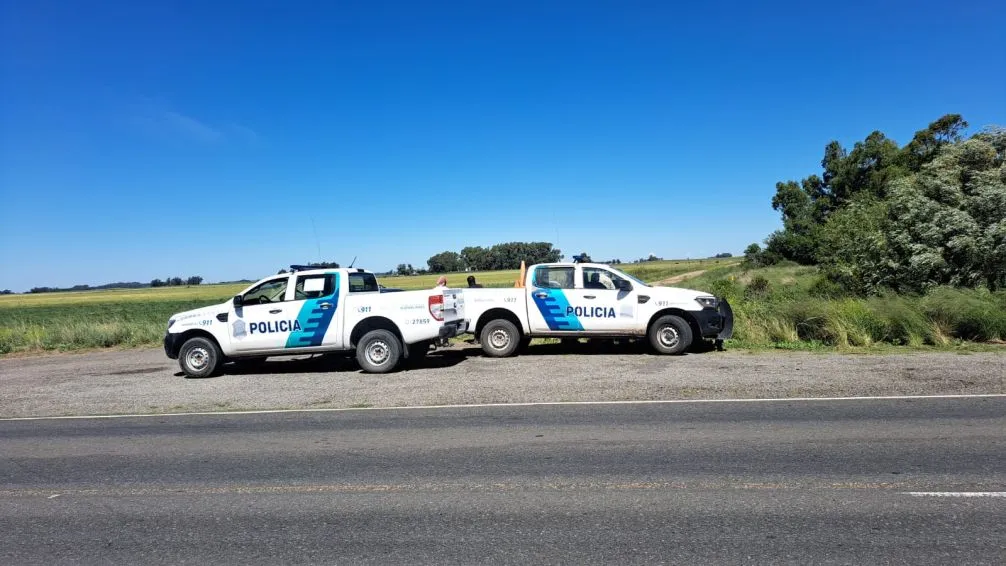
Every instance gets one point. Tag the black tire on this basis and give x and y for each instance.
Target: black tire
(379, 351)
(499, 338)
(670, 335)
(199, 357)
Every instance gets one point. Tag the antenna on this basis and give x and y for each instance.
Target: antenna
(352, 262)
(316, 240)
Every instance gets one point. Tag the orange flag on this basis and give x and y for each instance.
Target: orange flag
(523, 273)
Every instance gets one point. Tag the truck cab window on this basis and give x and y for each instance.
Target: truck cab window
(596, 278)
(272, 291)
(363, 283)
(554, 277)
(313, 286)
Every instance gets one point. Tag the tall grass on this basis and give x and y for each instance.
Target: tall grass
(87, 325)
(792, 306)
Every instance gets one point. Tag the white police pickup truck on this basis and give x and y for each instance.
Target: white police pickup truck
(311, 310)
(589, 300)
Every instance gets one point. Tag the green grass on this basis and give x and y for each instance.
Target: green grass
(784, 307)
(86, 325)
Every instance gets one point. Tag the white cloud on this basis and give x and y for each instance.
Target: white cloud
(191, 127)
(163, 121)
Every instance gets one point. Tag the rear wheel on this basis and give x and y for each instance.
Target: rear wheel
(379, 351)
(670, 334)
(199, 357)
(500, 338)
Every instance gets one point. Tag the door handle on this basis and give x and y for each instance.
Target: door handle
(325, 305)
(275, 311)
(541, 295)
(590, 296)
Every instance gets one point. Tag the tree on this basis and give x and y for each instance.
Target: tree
(723, 255)
(445, 262)
(6, 292)
(475, 258)
(157, 283)
(405, 269)
(943, 225)
(194, 280)
(508, 255)
(854, 251)
(175, 281)
(947, 224)
(869, 168)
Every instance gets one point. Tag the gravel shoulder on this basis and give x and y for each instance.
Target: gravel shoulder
(145, 381)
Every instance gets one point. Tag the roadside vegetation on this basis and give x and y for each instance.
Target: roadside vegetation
(798, 307)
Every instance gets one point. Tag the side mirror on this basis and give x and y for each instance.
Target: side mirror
(238, 300)
(623, 285)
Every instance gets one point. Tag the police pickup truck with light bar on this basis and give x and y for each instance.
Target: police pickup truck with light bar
(315, 310)
(572, 300)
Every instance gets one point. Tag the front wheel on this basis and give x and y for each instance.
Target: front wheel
(199, 357)
(500, 338)
(670, 334)
(379, 351)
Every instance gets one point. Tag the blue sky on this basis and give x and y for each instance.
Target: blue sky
(153, 139)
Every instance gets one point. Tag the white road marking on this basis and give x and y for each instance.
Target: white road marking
(957, 493)
(504, 405)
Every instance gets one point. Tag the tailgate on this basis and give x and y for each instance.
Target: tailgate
(454, 305)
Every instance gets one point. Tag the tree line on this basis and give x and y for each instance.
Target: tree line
(177, 281)
(507, 255)
(171, 281)
(880, 216)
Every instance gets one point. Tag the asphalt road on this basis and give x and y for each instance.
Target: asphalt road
(794, 482)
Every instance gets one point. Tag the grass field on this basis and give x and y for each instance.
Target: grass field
(779, 307)
(137, 317)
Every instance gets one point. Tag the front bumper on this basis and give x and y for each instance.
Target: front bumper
(716, 323)
(172, 344)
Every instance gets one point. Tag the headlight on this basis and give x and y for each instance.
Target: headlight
(170, 322)
(708, 302)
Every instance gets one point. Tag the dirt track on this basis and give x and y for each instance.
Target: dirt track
(680, 278)
(144, 381)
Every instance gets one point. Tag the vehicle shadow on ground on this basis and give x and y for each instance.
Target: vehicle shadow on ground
(591, 347)
(330, 363)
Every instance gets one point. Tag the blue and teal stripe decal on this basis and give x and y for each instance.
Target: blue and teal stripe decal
(555, 309)
(314, 320)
